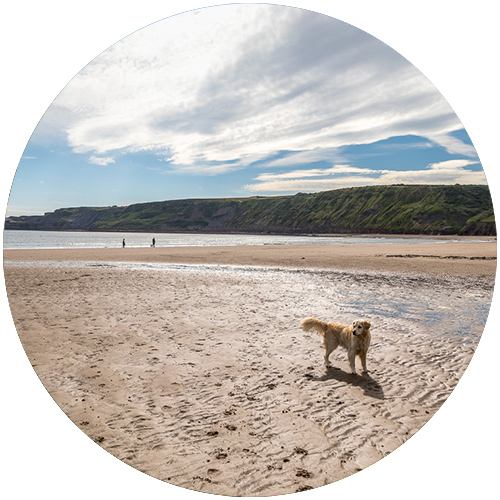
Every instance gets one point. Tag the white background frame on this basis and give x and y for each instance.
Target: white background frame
(43, 44)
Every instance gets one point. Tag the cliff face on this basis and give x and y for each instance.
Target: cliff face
(398, 209)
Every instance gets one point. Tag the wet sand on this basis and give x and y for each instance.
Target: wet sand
(464, 257)
(200, 376)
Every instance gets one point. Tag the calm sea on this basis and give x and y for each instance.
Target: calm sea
(81, 239)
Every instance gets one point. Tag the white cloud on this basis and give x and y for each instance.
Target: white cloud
(303, 157)
(340, 176)
(237, 83)
(102, 161)
(454, 145)
(316, 172)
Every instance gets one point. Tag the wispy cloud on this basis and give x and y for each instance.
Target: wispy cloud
(304, 157)
(340, 176)
(454, 145)
(235, 84)
(102, 161)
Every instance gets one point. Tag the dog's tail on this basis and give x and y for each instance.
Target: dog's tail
(309, 324)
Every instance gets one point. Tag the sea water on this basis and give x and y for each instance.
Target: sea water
(87, 239)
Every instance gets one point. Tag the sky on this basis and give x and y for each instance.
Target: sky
(240, 100)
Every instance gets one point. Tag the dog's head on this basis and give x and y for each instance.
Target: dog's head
(360, 327)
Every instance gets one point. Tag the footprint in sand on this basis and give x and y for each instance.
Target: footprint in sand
(204, 479)
(303, 473)
(300, 451)
(303, 488)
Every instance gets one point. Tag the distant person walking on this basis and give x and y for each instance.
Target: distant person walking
(154, 243)
(123, 243)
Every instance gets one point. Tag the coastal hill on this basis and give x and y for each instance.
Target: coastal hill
(396, 209)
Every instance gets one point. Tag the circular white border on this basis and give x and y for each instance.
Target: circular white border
(43, 454)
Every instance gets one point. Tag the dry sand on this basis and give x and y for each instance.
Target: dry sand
(200, 376)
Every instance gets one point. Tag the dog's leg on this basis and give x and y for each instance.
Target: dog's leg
(352, 360)
(328, 351)
(329, 348)
(362, 355)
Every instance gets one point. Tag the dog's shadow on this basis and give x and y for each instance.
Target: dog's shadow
(369, 385)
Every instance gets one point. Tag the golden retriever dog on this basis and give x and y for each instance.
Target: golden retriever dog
(355, 338)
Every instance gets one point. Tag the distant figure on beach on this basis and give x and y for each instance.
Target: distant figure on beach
(154, 243)
(123, 243)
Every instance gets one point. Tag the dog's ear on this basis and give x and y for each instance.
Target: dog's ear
(366, 324)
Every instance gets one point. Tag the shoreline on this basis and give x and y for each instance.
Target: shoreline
(450, 258)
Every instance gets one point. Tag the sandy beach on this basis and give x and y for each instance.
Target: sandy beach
(463, 257)
(200, 375)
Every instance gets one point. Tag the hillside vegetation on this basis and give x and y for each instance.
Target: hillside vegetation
(398, 209)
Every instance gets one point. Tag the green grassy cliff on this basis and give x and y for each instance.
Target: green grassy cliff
(398, 209)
